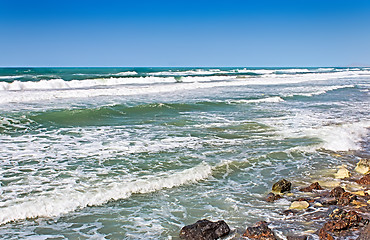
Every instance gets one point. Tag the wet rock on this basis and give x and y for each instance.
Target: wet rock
(337, 192)
(364, 180)
(342, 173)
(272, 197)
(324, 235)
(299, 205)
(205, 230)
(340, 220)
(296, 237)
(260, 230)
(363, 166)
(282, 186)
(365, 233)
(327, 201)
(313, 186)
(346, 198)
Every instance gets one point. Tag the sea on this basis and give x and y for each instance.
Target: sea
(138, 153)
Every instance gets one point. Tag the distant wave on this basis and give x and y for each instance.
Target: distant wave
(268, 99)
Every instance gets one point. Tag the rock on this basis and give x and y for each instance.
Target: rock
(299, 205)
(360, 193)
(282, 186)
(260, 230)
(365, 233)
(346, 198)
(337, 192)
(296, 237)
(324, 235)
(313, 186)
(364, 180)
(272, 197)
(342, 173)
(205, 230)
(363, 166)
(327, 200)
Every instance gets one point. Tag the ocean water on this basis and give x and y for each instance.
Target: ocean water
(137, 153)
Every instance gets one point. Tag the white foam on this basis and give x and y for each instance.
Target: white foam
(268, 99)
(127, 73)
(342, 137)
(321, 90)
(10, 77)
(67, 200)
(188, 72)
(60, 89)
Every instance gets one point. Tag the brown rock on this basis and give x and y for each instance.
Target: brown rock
(282, 186)
(313, 186)
(272, 197)
(205, 230)
(260, 230)
(296, 237)
(364, 180)
(327, 200)
(337, 192)
(324, 235)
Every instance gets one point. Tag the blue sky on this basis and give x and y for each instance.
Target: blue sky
(184, 33)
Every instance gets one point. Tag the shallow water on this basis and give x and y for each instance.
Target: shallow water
(119, 153)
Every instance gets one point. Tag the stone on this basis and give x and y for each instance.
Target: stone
(282, 186)
(342, 173)
(205, 230)
(296, 237)
(363, 166)
(324, 235)
(365, 233)
(260, 230)
(313, 186)
(299, 205)
(327, 201)
(364, 180)
(337, 192)
(360, 193)
(272, 197)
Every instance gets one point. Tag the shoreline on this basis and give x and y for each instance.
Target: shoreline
(341, 211)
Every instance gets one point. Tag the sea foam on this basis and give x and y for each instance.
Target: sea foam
(62, 202)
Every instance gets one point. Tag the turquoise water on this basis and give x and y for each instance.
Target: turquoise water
(137, 153)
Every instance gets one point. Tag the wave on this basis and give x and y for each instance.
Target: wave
(268, 99)
(321, 91)
(188, 72)
(66, 201)
(60, 89)
(10, 77)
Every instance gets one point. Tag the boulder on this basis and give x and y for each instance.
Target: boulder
(260, 230)
(205, 230)
(282, 186)
(342, 173)
(337, 192)
(365, 233)
(327, 201)
(313, 186)
(363, 166)
(296, 237)
(272, 197)
(299, 205)
(364, 180)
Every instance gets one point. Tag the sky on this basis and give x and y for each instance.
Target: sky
(258, 33)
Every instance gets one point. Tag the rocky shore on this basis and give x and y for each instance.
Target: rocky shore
(344, 213)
